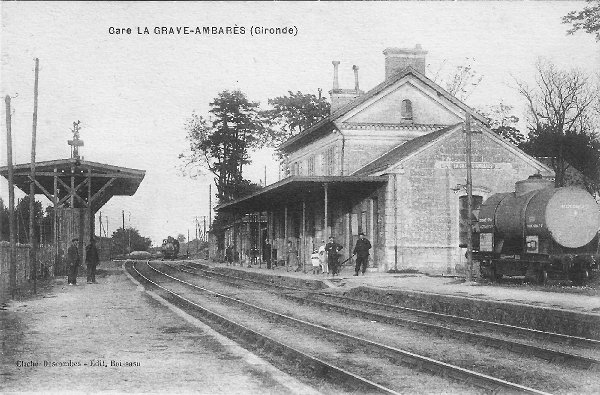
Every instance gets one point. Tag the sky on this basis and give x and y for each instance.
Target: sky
(133, 93)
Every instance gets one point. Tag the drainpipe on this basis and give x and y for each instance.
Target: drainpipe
(342, 154)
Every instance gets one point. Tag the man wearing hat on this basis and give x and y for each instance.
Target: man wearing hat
(91, 260)
(73, 261)
(361, 250)
(333, 256)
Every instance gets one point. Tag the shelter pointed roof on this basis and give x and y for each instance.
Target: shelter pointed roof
(107, 180)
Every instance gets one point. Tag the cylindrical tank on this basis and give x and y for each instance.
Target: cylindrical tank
(533, 183)
(570, 216)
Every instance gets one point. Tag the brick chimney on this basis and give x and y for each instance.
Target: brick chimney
(397, 59)
(341, 97)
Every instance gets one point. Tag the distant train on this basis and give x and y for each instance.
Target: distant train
(539, 232)
(170, 248)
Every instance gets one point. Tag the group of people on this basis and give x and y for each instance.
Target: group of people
(92, 259)
(327, 258)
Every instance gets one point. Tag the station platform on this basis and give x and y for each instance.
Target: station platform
(447, 285)
(113, 337)
(544, 308)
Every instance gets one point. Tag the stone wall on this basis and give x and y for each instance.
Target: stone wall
(428, 189)
(540, 318)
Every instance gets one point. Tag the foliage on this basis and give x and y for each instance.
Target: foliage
(222, 143)
(587, 20)
(562, 120)
(459, 81)
(127, 240)
(295, 113)
(503, 122)
(21, 221)
(581, 152)
(222, 220)
(181, 238)
(4, 225)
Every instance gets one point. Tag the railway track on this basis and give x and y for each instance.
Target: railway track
(442, 324)
(376, 350)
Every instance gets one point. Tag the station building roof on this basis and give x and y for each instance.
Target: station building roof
(293, 190)
(327, 124)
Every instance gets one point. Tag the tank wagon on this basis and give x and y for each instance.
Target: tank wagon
(539, 232)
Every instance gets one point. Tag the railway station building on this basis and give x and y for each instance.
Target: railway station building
(389, 162)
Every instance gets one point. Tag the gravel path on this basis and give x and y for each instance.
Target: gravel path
(112, 337)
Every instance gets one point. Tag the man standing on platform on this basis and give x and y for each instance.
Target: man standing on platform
(333, 256)
(291, 257)
(361, 250)
(267, 253)
(91, 260)
(73, 262)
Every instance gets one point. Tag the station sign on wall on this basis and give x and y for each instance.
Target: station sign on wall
(474, 165)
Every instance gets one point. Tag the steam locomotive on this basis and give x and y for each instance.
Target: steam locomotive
(539, 232)
(170, 248)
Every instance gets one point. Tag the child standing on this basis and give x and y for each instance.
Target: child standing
(315, 261)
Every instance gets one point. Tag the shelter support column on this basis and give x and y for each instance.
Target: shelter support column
(56, 243)
(325, 230)
(91, 226)
(285, 239)
(303, 254)
(235, 246)
(285, 224)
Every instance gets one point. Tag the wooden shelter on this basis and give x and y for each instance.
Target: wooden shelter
(77, 189)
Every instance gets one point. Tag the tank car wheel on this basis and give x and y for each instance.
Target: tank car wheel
(497, 276)
(545, 277)
(581, 278)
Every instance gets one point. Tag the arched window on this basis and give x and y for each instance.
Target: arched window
(406, 109)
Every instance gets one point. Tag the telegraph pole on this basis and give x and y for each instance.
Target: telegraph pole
(11, 202)
(32, 261)
(100, 231)
(124, 235)
(469, 201)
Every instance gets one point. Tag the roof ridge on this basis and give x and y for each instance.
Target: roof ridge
(410, 146)
(376, 90)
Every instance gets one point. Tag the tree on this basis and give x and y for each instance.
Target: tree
(181, 238)
(459, 81)
(587, 20)
(22, 220)
(561, 108)
(222, 143)
(502, 121)
(295, 113)
(4, 222)
(580, 151)
(128, 240)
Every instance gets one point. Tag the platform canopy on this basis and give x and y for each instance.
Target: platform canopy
(77, 183)
(296, 189)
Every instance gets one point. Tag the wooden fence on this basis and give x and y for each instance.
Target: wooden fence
(48, 264)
